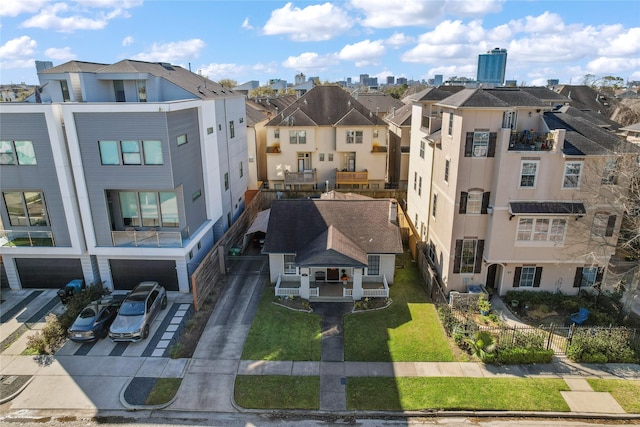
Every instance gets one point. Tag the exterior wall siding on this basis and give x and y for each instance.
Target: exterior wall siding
(40, 177)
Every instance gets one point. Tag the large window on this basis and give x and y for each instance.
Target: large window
(603, 224)
(572, 174)
(474, 202)
(289, 264)
(25, 209)
(528, 173)
(131, 152)
(541, 229)
(468, 256)
(587, 277)
(297, 137)
(422, 145)
(17, 152)
(480, 144)
(373, 265)
(149, 209)
(468, 259)
(527, 277)
(354, 136)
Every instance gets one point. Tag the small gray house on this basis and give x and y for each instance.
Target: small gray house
(333, 250)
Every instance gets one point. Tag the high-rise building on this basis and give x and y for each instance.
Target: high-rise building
(437, 80)
(492, 66)
(391, 80)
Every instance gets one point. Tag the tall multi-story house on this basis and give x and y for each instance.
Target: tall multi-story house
(326, 137)
(492, 66)
(514, 194)
(119, 173)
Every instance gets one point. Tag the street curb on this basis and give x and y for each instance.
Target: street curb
(17, 392)
(131, 407)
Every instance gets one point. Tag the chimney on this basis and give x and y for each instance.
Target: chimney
(393, 211)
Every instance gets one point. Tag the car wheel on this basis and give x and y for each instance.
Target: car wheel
(163, 303)
(145, 332)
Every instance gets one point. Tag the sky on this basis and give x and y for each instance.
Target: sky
(262, 40)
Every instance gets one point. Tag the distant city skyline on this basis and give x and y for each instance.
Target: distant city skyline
(335, 41)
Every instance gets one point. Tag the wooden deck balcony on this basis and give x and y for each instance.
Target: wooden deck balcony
(352, 177)
(300, 178)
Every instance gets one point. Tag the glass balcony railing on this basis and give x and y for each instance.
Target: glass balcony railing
(150, 238)
(26, 238)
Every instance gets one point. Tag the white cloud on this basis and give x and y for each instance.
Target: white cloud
(364, 53)
(246, 25)
(398, 39)
(63, 54)
(313, 23)
(173, 51)
(18, 53)
(217, 72)
(613, 66)
(127, 41)
(84, 15)
(624, 43)
(389, 14)
(475, 8)
(18, 48)
(16, 7)
(310, 62)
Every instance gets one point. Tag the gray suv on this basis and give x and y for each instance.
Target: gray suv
(137, 312)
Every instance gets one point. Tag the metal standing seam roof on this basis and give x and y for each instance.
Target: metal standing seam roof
(547, 208)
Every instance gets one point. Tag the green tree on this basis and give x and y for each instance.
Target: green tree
(228, 83)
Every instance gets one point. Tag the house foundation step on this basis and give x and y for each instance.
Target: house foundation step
(330, 299)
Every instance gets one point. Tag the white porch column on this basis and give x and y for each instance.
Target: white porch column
(304, 283)
(357, 284)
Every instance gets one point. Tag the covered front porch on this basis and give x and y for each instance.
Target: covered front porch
(320, 287)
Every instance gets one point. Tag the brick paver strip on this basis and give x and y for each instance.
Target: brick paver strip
(11, 313)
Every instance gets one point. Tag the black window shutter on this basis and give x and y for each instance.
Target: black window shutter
(457, 257)
(485, 202)
(599, 275)
(477, 267)
(491, 151)
(536, 279)
(516, 277)
(578, 279)
(468, 146)
(611, 224)
(463, 202)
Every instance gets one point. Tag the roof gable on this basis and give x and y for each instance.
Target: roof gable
(331, 247)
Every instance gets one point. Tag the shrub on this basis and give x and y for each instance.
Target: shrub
(611, 345)
(521, 356)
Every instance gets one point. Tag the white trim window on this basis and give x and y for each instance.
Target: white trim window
(422, 145)
(474, 202)
(468, 258)
(297, 137)
(527, 277)
(450, 128)
(289, 264)
(589, 275)
(610, 172)
(373, 265)
(572, 172)
(480, 143)
(528, 174)
(541, 230)
(354, 136)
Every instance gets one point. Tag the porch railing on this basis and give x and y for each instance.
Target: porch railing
(314, 292)
(285, 292)
(347, 292)
(377, 293)
(305, 177)
(352, 177)
(26, 238)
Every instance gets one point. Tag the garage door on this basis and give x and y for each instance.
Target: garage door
(51, 273)
(127, 273)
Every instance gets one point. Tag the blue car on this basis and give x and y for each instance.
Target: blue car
(94, 320)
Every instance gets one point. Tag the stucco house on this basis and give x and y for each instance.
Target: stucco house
(333, 250)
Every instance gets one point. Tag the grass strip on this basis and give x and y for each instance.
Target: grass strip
(625, 392)
(277, 392)
(278, 333)
(163, 391)
(409, 330)
(447, 393)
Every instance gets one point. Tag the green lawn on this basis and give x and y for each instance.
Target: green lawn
(415, 393)
(409, 330)
(625, 392)
(278, 333)
(277, 392)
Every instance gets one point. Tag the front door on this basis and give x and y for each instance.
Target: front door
(333, 274)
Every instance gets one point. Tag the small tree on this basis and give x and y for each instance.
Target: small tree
(481, 345)
(228, 83)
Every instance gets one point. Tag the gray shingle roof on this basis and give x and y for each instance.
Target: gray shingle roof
(401, 116)
(378, 102)
(326, 105)
(473, 98)
(74, 67)
(320, 230)
(516, 97)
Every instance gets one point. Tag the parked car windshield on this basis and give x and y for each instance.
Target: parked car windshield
(134, 308)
